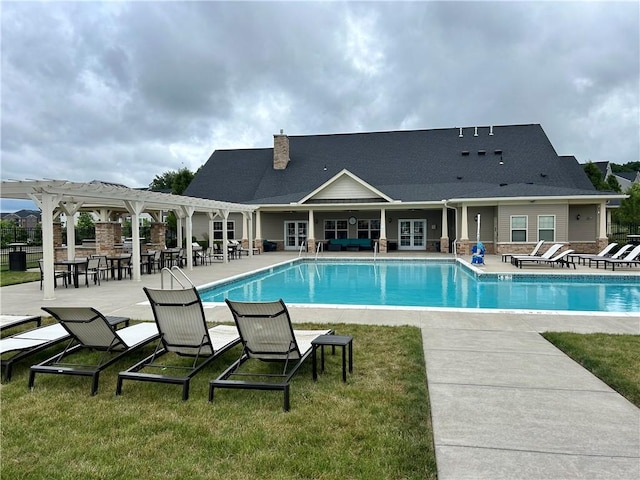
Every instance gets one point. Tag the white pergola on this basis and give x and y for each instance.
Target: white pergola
(55, 197)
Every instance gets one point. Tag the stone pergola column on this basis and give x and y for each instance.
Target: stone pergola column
(105, 234)
(158, 233)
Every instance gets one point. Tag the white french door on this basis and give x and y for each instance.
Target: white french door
(411, 234)
(295, 234)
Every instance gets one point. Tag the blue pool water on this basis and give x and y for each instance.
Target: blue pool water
(428, 284)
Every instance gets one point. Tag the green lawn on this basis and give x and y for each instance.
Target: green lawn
(8, 277)
(615, 359)
(375, 426)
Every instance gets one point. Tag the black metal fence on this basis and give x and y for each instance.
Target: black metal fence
(30, 240)
(619, 233)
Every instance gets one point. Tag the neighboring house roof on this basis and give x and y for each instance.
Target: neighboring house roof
(22, 214)
(604, 168)
(410, 166)
(630, 176)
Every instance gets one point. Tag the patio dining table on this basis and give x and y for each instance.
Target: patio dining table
(169, 257)
(146, 259)
(116, 262)
(73, 268)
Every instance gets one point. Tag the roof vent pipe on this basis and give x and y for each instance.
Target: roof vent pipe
(475, 133)
(460, 136)
(491, 130)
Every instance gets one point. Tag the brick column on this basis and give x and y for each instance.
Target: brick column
(106, 233)
(382, 245)
(57, 234)
(158, 235)
(444, 244)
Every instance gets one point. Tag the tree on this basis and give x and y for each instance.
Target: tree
(85, 227)
(629, 211)
(594, 174)
(626, 167)
(175, 181)
(613, 184)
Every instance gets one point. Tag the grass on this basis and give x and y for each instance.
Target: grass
(615, 359)
(8, 277)
(377, 425)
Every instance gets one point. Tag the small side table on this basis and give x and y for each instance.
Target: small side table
(334, 341)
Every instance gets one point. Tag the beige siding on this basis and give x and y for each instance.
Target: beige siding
(532, 211)
(344, 187)
(584, 228)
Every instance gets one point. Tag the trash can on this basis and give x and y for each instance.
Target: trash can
(18, 261)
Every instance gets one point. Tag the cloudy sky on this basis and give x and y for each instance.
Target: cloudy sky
(123, 91)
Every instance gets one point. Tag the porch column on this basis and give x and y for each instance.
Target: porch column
(211, 216)
(244, 241)
(602, 225)
(311, 238)
(444, 237)
(258, 239)
(382, 244)
(249, 218)
(464, 228)
(225, 239)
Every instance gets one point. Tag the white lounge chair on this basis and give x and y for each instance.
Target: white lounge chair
(508, 256)
(632, 258)
(560, 259)
(9, 321)
(601, 254)
(619, 253)
(553, 249)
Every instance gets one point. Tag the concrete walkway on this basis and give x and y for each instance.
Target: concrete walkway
(505, 403)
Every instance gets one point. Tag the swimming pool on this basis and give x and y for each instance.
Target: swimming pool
(427, 284)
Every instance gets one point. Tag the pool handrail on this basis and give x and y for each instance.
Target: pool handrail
(173, 276)
(301, 247)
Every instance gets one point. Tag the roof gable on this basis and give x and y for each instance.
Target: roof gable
(345, 187)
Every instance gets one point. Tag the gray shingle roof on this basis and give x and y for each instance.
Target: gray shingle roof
(418, 165)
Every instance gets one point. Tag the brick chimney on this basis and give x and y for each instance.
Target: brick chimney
(280, 151)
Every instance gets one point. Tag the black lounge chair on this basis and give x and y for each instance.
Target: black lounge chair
(90, 329)
(266, 334)
(183, 331)
(30, 342)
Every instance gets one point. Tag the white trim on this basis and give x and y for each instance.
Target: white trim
(555, 226)
(340, 175)
(526, 228)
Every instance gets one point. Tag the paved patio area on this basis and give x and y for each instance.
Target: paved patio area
(505, 403)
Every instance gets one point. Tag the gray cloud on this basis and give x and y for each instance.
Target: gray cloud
(123, 91)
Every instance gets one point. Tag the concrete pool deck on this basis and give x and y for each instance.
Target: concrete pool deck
(505, 403)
